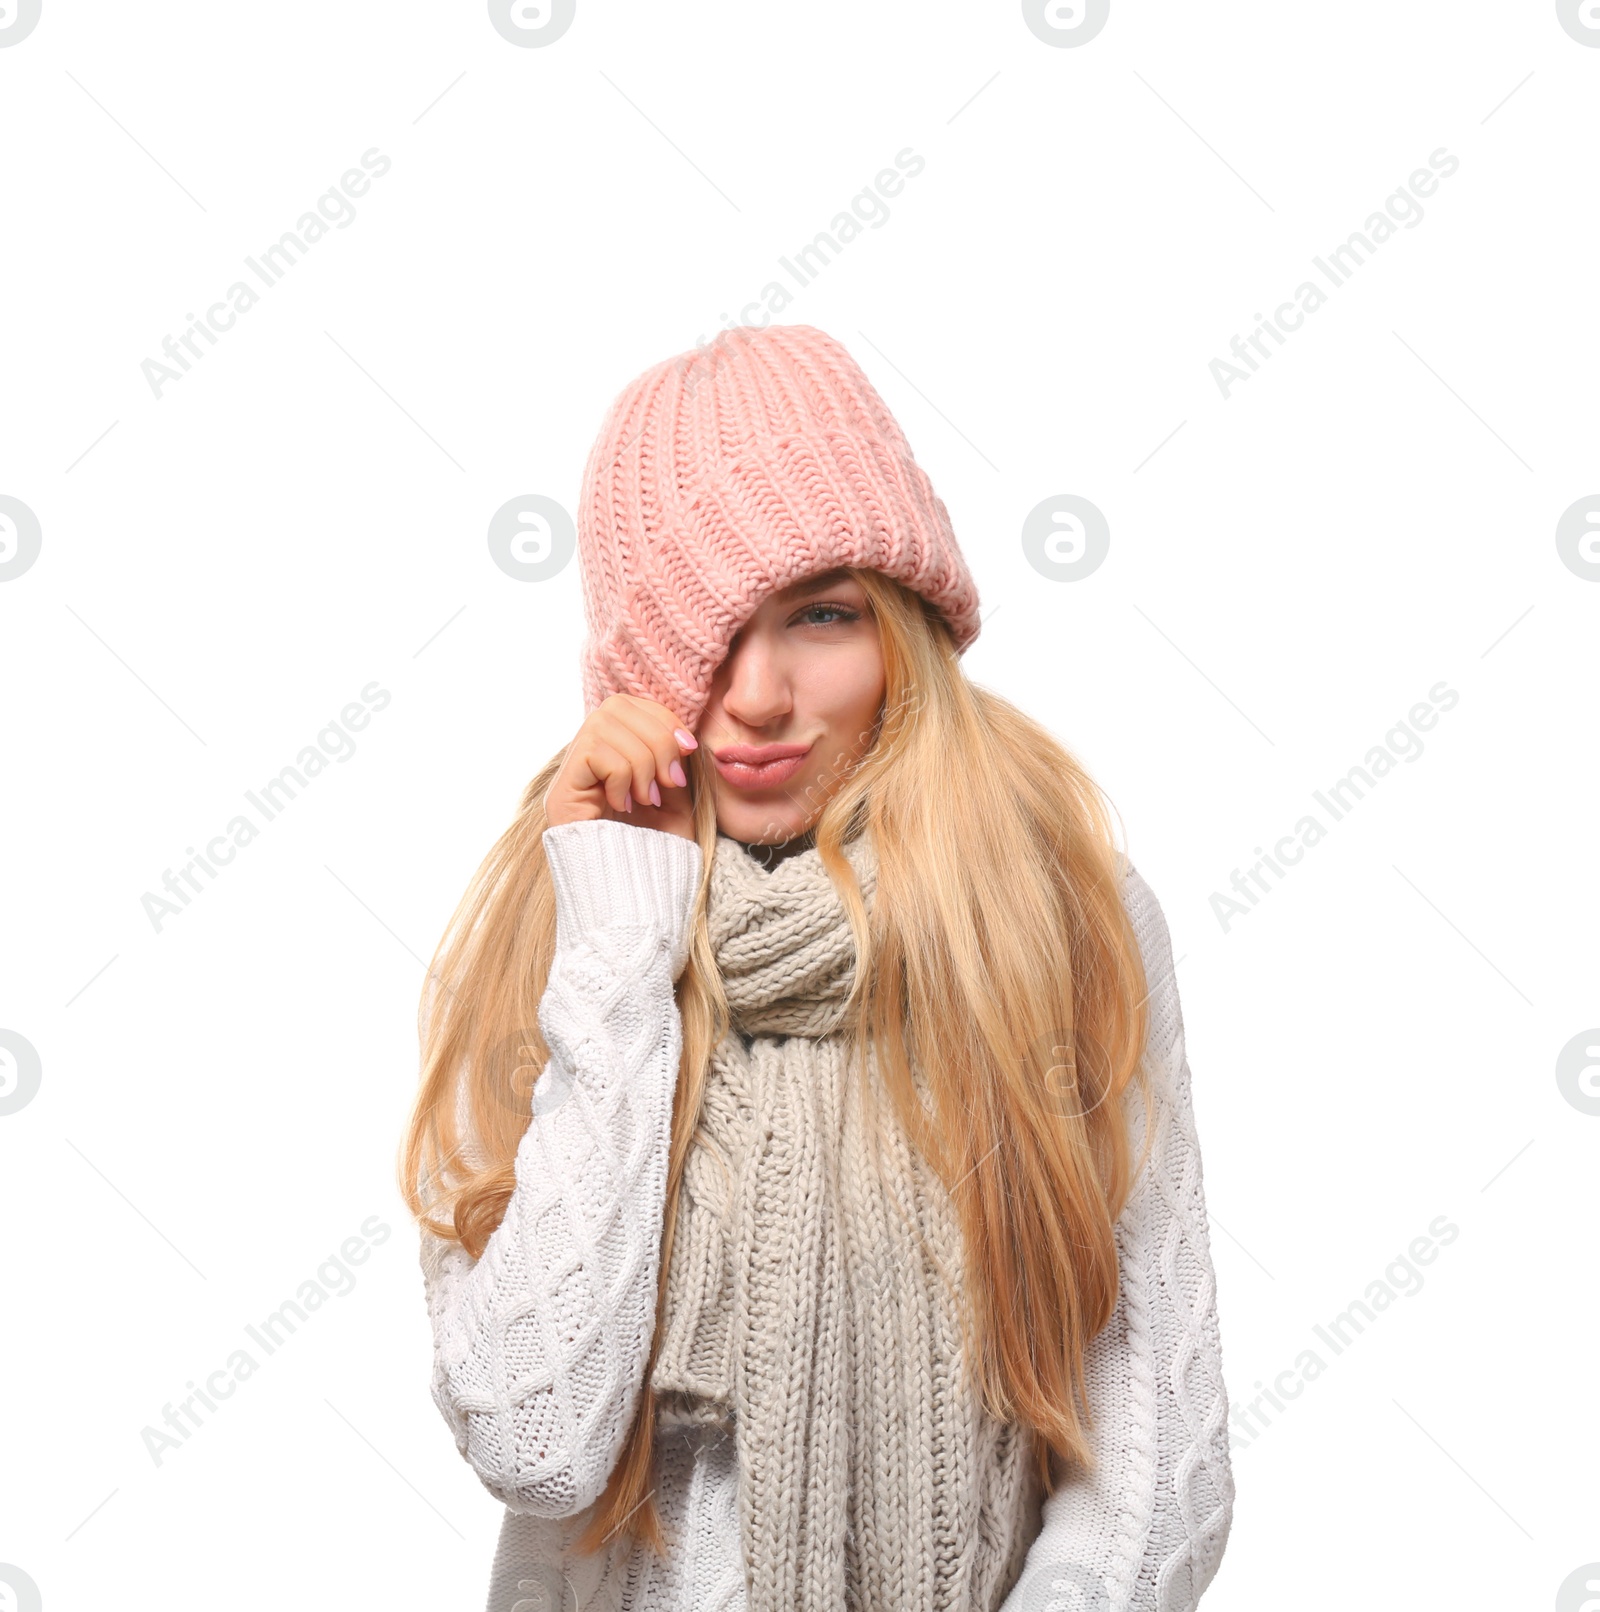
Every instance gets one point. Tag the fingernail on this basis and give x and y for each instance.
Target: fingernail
(686, 739)
(627, 801)
(675, 773)
(655, 793)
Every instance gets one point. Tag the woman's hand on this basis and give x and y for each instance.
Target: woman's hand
(625, 765)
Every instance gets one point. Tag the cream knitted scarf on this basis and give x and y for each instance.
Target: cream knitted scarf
(804, 1311)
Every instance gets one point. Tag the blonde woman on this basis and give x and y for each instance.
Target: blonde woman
(808, 1181)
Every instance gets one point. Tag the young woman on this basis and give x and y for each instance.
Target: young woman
(808, 1181)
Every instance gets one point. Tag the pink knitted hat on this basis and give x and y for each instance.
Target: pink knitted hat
(725, 474)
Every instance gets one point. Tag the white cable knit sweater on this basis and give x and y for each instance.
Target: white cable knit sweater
(541, 1345)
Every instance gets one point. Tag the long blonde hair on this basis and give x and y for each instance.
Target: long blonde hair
(998, 961)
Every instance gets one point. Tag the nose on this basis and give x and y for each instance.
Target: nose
(757, 689)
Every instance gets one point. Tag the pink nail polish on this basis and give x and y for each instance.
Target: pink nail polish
(627, 801)
(676, 774)
(655, 793)
(686, 739)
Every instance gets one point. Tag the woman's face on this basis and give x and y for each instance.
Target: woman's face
(792, 708)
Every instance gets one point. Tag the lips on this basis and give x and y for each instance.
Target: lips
(759, 766)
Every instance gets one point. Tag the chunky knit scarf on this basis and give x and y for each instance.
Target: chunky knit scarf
(811, 1305)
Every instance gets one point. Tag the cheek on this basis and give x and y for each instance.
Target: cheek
(845, 691)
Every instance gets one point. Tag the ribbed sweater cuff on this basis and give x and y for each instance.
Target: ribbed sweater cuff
(610, 875)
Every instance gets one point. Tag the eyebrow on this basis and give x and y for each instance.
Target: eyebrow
(816, 584)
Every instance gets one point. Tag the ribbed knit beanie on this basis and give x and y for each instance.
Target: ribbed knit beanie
(727, 473)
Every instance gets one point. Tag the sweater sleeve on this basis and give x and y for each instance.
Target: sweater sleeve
(1145, 1531)
(540, 1345)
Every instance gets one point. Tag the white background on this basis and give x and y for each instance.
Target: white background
(225, 567)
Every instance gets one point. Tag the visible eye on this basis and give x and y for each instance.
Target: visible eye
(826, 615)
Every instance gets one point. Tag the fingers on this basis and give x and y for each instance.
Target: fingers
(648, 771)
(613, 772)
(629, 753)
(647, 733)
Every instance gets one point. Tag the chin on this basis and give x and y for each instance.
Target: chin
(761, 823)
